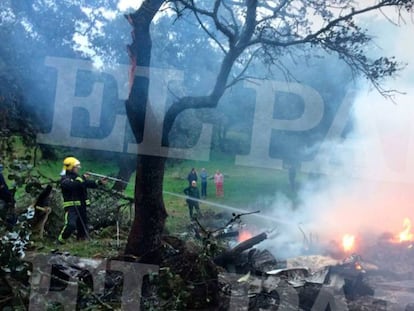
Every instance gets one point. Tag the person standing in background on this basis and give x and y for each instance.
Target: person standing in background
(203, 177)
(219, 181)
(193, 195)
(192, 176)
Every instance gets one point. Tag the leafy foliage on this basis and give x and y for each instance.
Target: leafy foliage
(13, 268)
(14, 245)
(269, 30)
(108, 207)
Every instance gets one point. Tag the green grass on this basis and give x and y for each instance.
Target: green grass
(94, 248)
(244, 188)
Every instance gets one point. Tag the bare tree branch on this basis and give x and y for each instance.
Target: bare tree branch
(240, 76)
(250, 24)
(226, 31)
(235, 50)
(311, 38)
(209, 33)
(235, 23)
(275, 10)
(213, 15)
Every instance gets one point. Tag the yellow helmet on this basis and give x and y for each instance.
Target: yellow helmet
(69, 163)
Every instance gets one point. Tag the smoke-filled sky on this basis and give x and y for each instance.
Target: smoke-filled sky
(124, 5)
(384, 136)
(381, 193)
(371, 191)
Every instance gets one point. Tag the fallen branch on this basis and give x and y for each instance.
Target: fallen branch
(230, 255)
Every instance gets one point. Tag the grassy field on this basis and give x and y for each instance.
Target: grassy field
(245, 188)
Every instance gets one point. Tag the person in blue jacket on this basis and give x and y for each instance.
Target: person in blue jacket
(203, 177)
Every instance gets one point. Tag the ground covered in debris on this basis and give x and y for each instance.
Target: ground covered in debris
(207, 264)
(208, 269)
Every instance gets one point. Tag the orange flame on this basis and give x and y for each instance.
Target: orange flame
(358, 266)
(348, 242)
(244, 235)
(406, 235)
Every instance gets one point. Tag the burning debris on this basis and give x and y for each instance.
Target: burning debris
(406, 235)
(293, 288)
(348, 242)
(242, 276)
(347, 281)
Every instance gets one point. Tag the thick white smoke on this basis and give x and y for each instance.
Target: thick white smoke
(379, 193)
(370, 189)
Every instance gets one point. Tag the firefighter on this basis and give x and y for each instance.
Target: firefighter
(75, 199)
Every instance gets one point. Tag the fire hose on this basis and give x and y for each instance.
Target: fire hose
(223, 206)
(107, 177)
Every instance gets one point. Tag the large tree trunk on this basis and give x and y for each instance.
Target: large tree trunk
(150, 214)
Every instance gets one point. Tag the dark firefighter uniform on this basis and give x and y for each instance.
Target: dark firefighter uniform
(75, 200)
